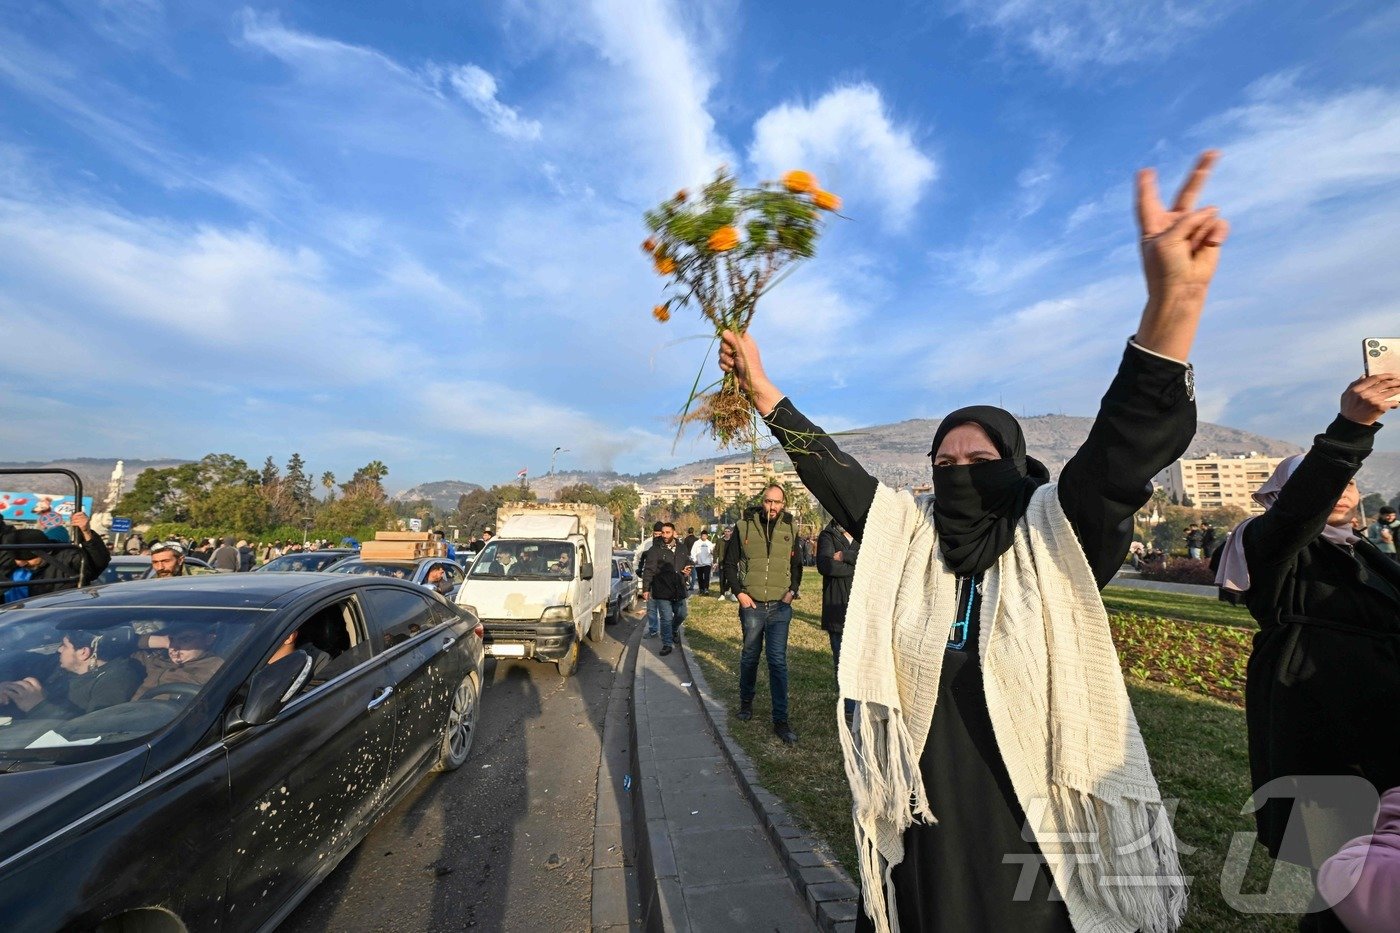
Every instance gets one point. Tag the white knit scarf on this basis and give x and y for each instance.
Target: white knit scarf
(1059, 710)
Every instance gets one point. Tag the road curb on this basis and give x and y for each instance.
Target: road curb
(616, 900)
(821, 882)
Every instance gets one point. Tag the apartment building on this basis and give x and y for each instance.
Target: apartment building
(747, 479)
(1215, 480)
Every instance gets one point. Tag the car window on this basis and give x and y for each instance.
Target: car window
(81, 680)
(338, 633)
(452, 572)
(398, 615)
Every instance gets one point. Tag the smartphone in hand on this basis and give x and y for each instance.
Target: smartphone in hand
(1382, 355)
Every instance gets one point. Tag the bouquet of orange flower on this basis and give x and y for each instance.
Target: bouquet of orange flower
(720, 250)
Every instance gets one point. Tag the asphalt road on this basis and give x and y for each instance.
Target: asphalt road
(505, 842)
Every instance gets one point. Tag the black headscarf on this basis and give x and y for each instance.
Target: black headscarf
(976, 508)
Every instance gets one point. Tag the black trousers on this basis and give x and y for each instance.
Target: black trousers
(702, 578)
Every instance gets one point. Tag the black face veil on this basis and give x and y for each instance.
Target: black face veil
(976, 508)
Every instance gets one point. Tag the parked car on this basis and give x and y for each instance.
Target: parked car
(414, 571)
(623, 595)
(125, 567)
(219, 806)
(626, 556)
(307, 561)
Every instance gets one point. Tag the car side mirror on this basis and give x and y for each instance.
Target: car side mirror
(273, 686)
(585, 571)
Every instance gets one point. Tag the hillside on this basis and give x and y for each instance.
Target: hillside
(442, 494)
(95, 472)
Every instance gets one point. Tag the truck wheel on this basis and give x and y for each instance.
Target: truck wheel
(598, 628)
(568, 662)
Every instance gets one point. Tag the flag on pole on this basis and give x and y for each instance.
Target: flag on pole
(522, 474)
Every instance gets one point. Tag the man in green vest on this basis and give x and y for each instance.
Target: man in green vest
(761, 560)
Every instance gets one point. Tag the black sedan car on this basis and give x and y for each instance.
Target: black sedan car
(127, 567)
(307, 561)
(198, 754)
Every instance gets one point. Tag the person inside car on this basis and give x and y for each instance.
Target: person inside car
(563, 564)
(437, 579)
(186, 658)
(95, 670)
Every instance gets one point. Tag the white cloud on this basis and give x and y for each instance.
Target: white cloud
(478, 88)
(847, 138)
(1071, 35)
(1286, 149)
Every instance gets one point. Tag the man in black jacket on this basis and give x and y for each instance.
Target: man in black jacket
(33, 571)
(665, 580)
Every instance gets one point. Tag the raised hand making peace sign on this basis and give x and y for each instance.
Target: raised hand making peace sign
(1180, 251)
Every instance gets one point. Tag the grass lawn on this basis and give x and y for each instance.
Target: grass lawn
(1197, 745)
(1175, 606)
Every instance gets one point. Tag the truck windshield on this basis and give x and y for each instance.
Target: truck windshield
(526, 560)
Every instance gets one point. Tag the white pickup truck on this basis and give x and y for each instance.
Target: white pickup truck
(542, 583)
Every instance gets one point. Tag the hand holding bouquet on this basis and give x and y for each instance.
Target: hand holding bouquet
(719, 250)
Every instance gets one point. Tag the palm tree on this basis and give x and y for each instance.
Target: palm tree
(328, 481)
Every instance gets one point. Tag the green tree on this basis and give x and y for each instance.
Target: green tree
(476, 511)
(624, 502)
(235, 509)
(298, 482)
(581, 492)
(515, 493)
(1372, 503)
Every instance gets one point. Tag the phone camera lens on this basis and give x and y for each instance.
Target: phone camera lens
(1373, 344)
(1374, 352)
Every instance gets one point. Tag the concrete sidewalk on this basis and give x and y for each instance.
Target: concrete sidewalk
(705, 861)
(1186, 589)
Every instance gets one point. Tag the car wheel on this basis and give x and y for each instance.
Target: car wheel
(597, 625)
(568, 662)
(461, 725)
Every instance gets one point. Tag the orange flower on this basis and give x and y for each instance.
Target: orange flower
(661, 313)
(681, 195)
(665, 265)
(725, 238)
(799, 182)
(826, 200)
(649, 244)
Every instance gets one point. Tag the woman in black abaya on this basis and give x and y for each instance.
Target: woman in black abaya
(977, 868)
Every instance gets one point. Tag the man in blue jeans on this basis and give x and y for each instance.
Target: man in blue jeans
(665, 576)
(763, 563)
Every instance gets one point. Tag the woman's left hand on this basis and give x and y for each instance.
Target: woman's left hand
(1180, 246)
(1369, 397)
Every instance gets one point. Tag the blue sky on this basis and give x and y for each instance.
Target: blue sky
(409, 231)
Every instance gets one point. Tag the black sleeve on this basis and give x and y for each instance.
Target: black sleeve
(837, 481)
(1300, 513)
(827, 564)
(733, 553)
(97, 554)
(646, 569)
(1146, 420)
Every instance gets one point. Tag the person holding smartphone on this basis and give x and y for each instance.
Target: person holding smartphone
(977, 649)
(1323, 681)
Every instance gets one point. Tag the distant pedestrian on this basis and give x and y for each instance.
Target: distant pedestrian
(665, 569)
(726, 583)
(245, 557)
(836, 562)
(1208, 538)
(638, 561)
(1193, 539)
(762, 555)
(687, 544)
(1384, 531)
(225, 558)
(702, 557)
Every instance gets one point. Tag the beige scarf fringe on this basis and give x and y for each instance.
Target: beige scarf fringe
(1070, 741)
